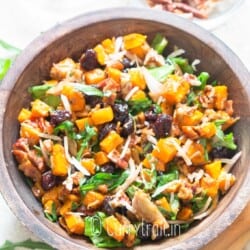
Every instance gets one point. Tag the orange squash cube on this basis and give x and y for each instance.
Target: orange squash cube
(221, 95)
(75, 223)
(210, 186)
(23, 115)
(185, 213)
(39, 108)
(94, 76)
(213, 169)
(196, 153)
(32, 134)
(111, 141)
(93, 200)
(114, 228)
(81, 123)
(163, 202)
(165, 151)
(137, 78)
(102, 115)
(133, 40)
(89, 164)
(207, 130)
(59, 163)
(101, 158)
(114, 74)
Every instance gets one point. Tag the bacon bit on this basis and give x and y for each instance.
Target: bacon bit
(36, 160)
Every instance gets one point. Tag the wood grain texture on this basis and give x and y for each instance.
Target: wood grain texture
(71, 39)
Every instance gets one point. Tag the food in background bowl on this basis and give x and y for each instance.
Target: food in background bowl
(127, 141)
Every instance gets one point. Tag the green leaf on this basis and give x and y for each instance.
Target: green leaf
(138, 106)
(29, 244)
(149, 185)
(223, 140)
(97, 234)
(165, 178)
(183, 64)
(175, 206)
(159, 43)
(88, 90)
(53, 215)
(111, 180)
(161, 73)
(85, 138)
(66, 127)
(203, 78)
(203, 142)
(198, 202)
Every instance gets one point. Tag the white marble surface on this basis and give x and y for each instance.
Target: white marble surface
(22, 20)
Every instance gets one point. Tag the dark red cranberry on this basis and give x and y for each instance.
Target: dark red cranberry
(89, 60)
(59, 116)
(48, 180)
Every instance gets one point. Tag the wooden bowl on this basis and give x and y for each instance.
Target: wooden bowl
(71, 39)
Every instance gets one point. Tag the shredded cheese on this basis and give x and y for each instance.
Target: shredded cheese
(125, 148)
(176, 53)
(230, 164)
(131, 93)
(160, 189)
(66, 103)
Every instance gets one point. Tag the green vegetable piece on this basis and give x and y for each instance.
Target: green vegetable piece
(138, 106)
(97, 234)
(29, 244)
(149, 185)
(223, 140)
(159, 43)
(39, 92)
(175, 206)
(198, 202)
(111, 180)
(203, 142)
(161, 73)
(165, 178)
(66, 127)
(53, 215)
(88, 90)
(86, 137)
(203, 78)
(183, 64)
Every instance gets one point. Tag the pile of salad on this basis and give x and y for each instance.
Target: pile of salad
(127, 142)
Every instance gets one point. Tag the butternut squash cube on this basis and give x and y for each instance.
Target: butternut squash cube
(94, 76)
(185, 213)
(221, 95)
(137, 78)
(39, 108)
(23, 115)
(176, 89)
(75, 223)
(196, 153)
(59, 163)
(102, 115)
(133, 40)
(111, 141)
(100, 54)
(114, 228)
(207, 130)
(213, 169)
(210, 186)
(108, 45)
(138, 95)
(163, 202)
(81, 123)
(114, 74)
(165, 150)
(89, 164)
(32, 134)
(93, 200)
(101, 158)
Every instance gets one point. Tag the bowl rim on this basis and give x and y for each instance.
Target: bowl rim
(67, 27)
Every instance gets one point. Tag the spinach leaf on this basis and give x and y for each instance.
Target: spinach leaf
(95, 231)
(159, 43)
(165, 178)
(161, 73)
(29, 244)
(66, 127)
(111, 180)
(175, 206)
(203, 142)
(198, 202)
(183, 64)
(88, 90)
(149, 183)
(138, 106)
(85, 138)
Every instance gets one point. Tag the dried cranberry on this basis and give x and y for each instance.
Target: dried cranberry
(89, 60)
(48, 180)
(108, 168)
(92, 101)
(106, 207)
(162, 125)
(150, 116)
(222, 152)
(120, 112)
(106, 129)
(128, 127)
(59, 116)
